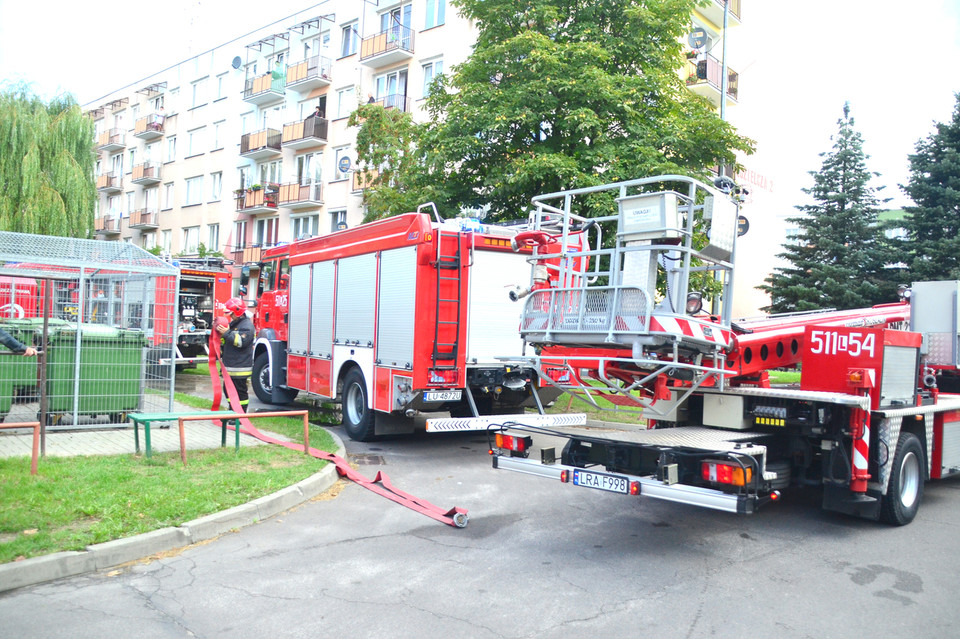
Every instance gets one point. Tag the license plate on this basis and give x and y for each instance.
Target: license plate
(612, 483)
(441, 396)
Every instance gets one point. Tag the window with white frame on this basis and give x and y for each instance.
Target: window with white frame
(195, 142)
(148, 152)
(216, 185)
(116, 164)
(166, 240)
(240, 234)
(431, 70)
(245, 174)
(213, 237)
(246, 122)
(134, 112)
(349, 39)
(221, 86)
(339, 163)
(168, 195)
(270, 172)
(148, 240)
(171, 148)
(308, 168)
(191, 239)
(198, 93)
(265, 231)
(173, 103)
(304, 227)
(435, 13)
(338, 220)
(133, 158)
(392, 89)
(157, 103)
(346, 102)
(131, 201)
(150, 199)
(194, 190)
(218, 129)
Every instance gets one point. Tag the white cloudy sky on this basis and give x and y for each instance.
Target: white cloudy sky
(894, 61)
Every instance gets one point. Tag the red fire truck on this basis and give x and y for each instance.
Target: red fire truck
(406, 314)
(623, 320)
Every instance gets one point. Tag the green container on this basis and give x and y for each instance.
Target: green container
(23, 373)
(111, 370)
(6, 385)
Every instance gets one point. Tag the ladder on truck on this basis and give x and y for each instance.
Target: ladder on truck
(449, 273)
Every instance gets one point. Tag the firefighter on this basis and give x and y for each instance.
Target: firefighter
(237, 348)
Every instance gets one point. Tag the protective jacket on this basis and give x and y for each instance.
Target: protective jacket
(237, 346)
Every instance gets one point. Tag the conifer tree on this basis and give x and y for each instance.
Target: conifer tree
(839, 257)
(934, 186)
(46, 165)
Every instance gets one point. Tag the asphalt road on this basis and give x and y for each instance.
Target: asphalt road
(538, 559)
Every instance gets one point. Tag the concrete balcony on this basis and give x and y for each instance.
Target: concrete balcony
(144, 220)
(262, 200)
(392, 46)
(107, 226)
(713, 11)
(248, 254)
(709, 86)
(146, 174)
(112, 140)
(265, 89)
(149, 127)
(109, 183)
(312, 73)
(261, 145)
(303, 135)
(301, 196)
(363, 180)
(394, 101)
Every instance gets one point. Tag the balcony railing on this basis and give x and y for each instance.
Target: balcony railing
(149, 127)
(109, 183)
(265, 89)
(144, 219)
(710, 86)
(106, 225)
(248, 254)
(260, 144)
(263, 200)
(390, 46)
(309, 74)
(394, 101)
(111, 140)
(301, 196)
(363, 180)
(146, 173)
(306, 133)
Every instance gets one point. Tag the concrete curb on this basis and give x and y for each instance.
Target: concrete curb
(109, 554)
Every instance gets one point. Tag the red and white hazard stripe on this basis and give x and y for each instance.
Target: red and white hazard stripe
(690, 328)
(861, 452)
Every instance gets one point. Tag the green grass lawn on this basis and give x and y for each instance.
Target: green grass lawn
(76, 501)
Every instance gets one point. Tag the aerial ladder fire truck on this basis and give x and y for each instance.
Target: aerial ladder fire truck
(616, 313)
(396, 317)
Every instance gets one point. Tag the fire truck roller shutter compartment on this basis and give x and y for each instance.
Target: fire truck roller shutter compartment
(321, 310)
(298, 339)
(397, 310)
(356, 296)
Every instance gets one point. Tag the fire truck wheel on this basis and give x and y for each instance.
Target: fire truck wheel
(358, 417)
(902, 501)
(261, 379)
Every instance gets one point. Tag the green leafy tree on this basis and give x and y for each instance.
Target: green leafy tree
(934, 186)
(840, 257)
(557, 94)
(46, 165)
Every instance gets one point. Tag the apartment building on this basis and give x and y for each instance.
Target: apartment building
(247, 145)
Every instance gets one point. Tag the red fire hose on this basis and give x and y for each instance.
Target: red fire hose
(380, 484)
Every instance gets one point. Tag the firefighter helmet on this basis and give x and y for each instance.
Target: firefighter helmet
(236, 306)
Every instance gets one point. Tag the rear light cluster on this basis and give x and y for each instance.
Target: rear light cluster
(513, 443)
(443, 375)
(559, 375)
(726, 473)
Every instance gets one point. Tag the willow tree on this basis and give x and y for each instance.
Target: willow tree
(46, 165)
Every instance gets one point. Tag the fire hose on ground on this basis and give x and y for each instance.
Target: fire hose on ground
(380, 484)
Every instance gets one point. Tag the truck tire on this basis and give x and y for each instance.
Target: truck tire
(263, 386)
(902, 501)
(358, 416)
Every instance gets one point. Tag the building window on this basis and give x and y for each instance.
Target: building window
(392, 90)
(265, 233)
(166, 240)
(221, 86)
(199, 93)
(216, 185)
(245, 181)
(191, 239)
(240, 235)
(213, 237)
(168, 195)
(150, 199)
(113, 206)
(133, 158)
(346, 102)
(131, 202)
(430, 71)
(172, 148)
(349, 41)
(195, 142)
(304, 227)
(342, 163)
(135, 112)
(148, 240)
(338, 221)
(194, 190)
(435, 13)
(270, 172)
(308, 169)
(218, 134)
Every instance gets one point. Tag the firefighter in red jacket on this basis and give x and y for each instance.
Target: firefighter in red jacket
(236, 353)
